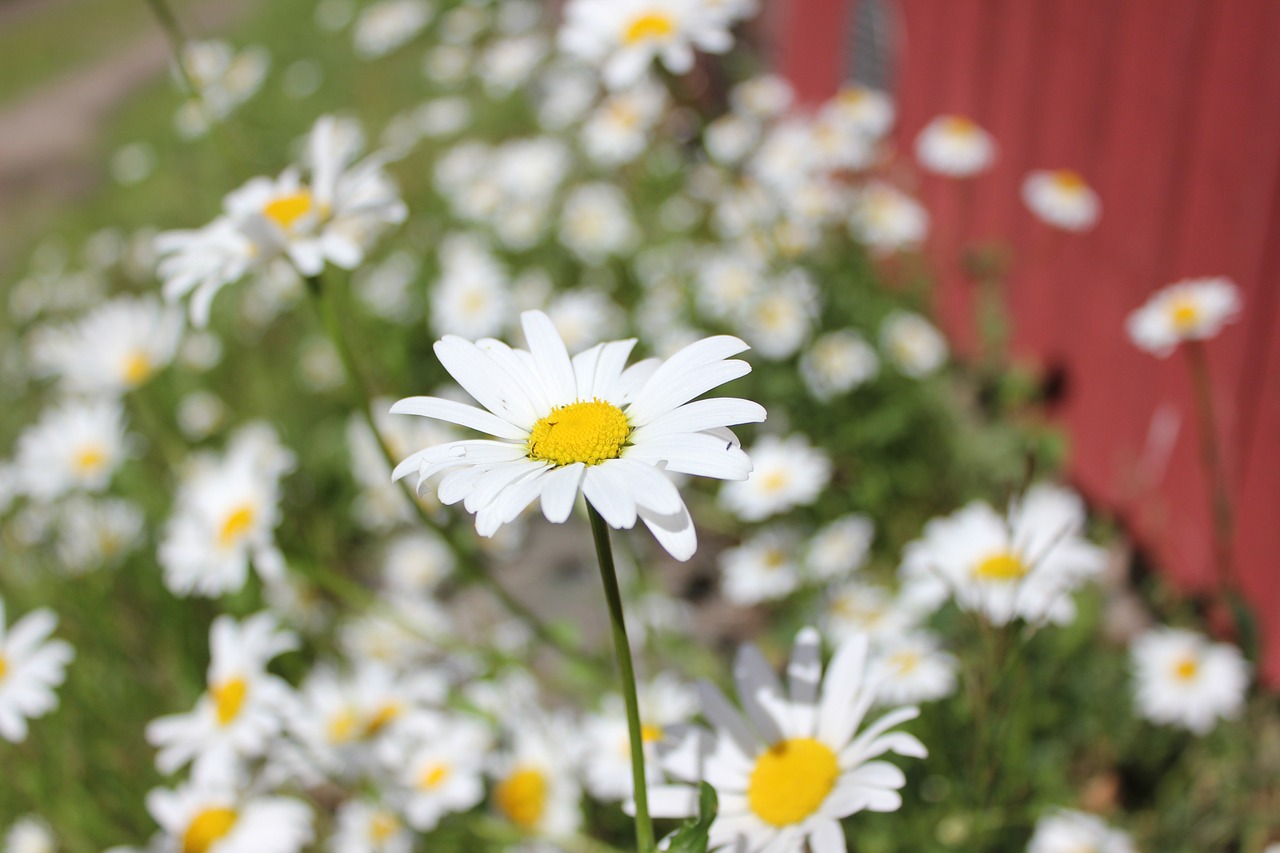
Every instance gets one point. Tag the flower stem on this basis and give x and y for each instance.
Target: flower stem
(604, 554)
(462, 547)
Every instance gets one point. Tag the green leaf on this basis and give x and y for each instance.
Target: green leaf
(693, 836)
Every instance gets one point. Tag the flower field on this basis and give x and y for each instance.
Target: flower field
(462, 425)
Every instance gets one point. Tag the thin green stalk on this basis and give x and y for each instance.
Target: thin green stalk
(604, 554)
(177, 41)
(465, 551)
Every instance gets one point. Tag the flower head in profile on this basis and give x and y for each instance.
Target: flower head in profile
(31, 666)
(1193, 309)
(588, 424)
(1183, 679)
(793, 763)
(1062, 199)
(956, 146)
(1067, 831)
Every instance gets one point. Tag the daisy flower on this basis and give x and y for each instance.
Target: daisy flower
(1193, 309)
(115, 348)
(596, 222)
(912, 667)
(1066, 831)
(1062, 199)
(534, 783)
(913, 344)
(1021, 565)
(868, 111)
(211, 814)
(792, 764)
(31, 666)
(625, 36)
(388, 24)
(96, 533)
(839, 548)
(1185, 680)
(76, 445)
(856, 608)
(838, 362)
(788, 473)
(561, 426)
(766, 567)
(664, 702)
(442, 771)
(29, 834)
(955, 146)
(886, 219)
(618, 131)
(366, 827)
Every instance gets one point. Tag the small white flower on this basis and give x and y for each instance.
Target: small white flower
(31, 666)
(664, 702)
(913, 344)
(509, 63)
(74, 446)
(787, 473)
(218, 815)
(1066, 831)
(93, 534)
(765, 567)
(618, 131)
(596, 222)
(868, 111)
(1062, 199)
(1193, 309)
(472, 297)
(1185, 680)
(763, 97)
(535, 786)
(443, 771)
(912, 668)
(29, 834)
(840, 547)
(366, 827)
(415, 563)
(860, 608)
(781, 318)
(955, 146)
(838, 362)
(887, 219)
(585, 317)
(386, 25)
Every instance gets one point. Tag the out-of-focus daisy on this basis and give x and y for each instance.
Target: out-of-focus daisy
(223, 78)
(793, 764)
(840, 547)
(367, 827)
(585, 317)
(74, 446)
(838, 362)
(29, 834)
(1193, 309)
(912, 343)
(115, 348)
(31, 666)
(763, 97)
(596, 222)
(725, 282)
(415, 563)
(509, 63)
(765, 567)
(535, 785)
(860, 608)
(1062, 199)
(382, 503)
(1021, 565)
(955, 146)
(1066, 831)
(779, 320)
(561, 426)
(868, 111)
(787, 473)
(887, 219)
(242, 708)
(214, 814)
(472, 296)
(443, 771)
(386, 25)
(730, 138)
(618, 131)
(224, 517)
(1183, 679)
(96, 533)
(664, 702)
(625, 36)
(913, 668)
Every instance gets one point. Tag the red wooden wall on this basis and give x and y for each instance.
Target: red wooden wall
(1170, 109)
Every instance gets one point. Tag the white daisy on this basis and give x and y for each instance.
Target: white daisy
(534, 780)
(415, 563)
(913, 668)
(1183, 679)
(955, 146)
(115, 348)
(664, 702)
(1021, 565)
(1062, 199)
(31, 666)
(472, 297)
(618, 131)
(96, 533)
(29, 834)
(386, 25)
(1193, 309)
(765, 567)
(561, 426)
(887, 219)
(201, 261)
(787, 473)
(596, 222)
(868, 111)
(860, 608)
(75, 446)
(585, 317)
(442, 772)
(781, 318)
(509, 63)
(217, 815)
(839, 548)
(913, 344)
(792, 764)
(366, 827)
(838, 362)
(763, 97)
(625, 36)
(1066, 831)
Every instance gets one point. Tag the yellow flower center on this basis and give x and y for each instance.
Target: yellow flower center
(137, 368)
(382, 718)
(383, 826)
(434, 776)
(791, 780)
(207, 828)
(650, 733)
(774, 481)
(851, 96)
(1003, 566)
(235, 525)
(1069, 181)
(959, 126)
(90, 459)
(774, 558)
(1186, 669)
(1184, 314)
(904, 663)
(4, 667)
(651, 26)
(522, 796)
(342, 726)
(286, 210)
(588, 432)
(228, 699)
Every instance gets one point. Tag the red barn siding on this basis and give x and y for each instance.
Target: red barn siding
(1171, 111)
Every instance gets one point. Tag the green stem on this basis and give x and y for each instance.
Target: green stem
(604, 554)
(463, 549)
(177, 41)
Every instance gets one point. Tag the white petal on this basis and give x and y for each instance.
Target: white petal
(551, 357)
(610, 494)
(609, 369)
(560, 491)
(755, 677)
(702, 415)
(675, 533)
(460, 414)
(827, 837)
(669, 380)
(699, 453)
(652, 488)
(840, 690)
(491, 387)
(721, 714)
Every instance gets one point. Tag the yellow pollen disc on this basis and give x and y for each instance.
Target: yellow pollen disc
(383, 826)
(380, 720)
(4, 667)
(343, 725)
(904, 662)
(228, 698)
(1069, 181)
(773, 481)
(650, 734)
(959, 126)
(651, 26)
(236, 524)
(207, 828)
(433, 776)
(137, 368)
(588, 432)
(1184, 313)
(1003, 566)
(774, 558)
(852, 96)
(791, 780)
(286, 210)
(1186, 669)
(522, 796)
(90, 459)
